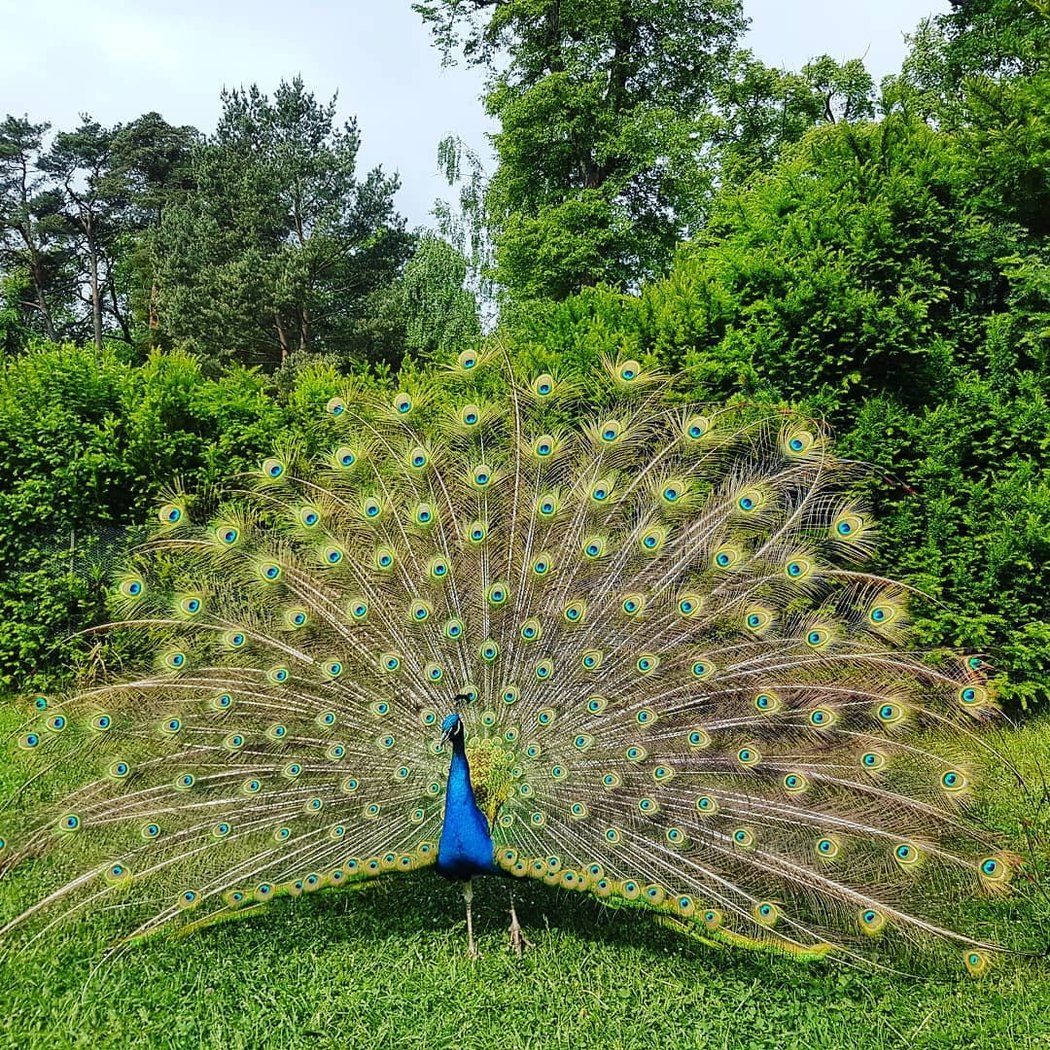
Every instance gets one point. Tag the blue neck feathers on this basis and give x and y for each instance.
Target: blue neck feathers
(465, 849)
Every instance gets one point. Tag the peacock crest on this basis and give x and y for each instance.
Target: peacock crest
(679, 686)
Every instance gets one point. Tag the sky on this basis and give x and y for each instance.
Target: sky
(117, 59)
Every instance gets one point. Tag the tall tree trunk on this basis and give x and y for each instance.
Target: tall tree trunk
(96, 292)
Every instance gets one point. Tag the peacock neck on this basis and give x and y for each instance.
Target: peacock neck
(466, 846)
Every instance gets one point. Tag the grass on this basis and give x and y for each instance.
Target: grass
(387, 967)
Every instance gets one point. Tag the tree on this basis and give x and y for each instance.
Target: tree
(763, 110)
(32, 227)
(605, 116)
(151, 163)
(997, 39)
(277, 246)
(80, 163)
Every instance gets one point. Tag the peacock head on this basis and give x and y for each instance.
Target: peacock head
(452, 728)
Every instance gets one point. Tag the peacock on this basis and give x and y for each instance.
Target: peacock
(565, 627)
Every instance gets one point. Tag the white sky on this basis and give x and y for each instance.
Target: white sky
(116, 59)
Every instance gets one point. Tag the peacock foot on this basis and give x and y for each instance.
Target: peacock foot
(518, 941)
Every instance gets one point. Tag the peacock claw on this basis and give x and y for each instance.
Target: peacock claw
(518, 941)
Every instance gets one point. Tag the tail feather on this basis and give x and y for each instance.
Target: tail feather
(656, 618)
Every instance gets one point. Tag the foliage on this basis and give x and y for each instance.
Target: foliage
(604, 111)
(278, 246)
(870, 279)
(87, 443)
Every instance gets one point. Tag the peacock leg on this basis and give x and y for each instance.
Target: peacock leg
(468, 899)
(518, 941)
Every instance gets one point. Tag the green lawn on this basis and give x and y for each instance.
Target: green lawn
(387, 967)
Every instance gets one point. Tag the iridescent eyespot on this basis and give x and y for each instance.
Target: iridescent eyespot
(454, 628)
(541, 565)
(543, 447)
(476, 532)
(543, 385)
(482, 475)
(975, 962)
(467, 360)
(418, 458)
(973, 695)
(336, 407)
(889, 713)
(629, 371)
(633, 604)
(673, 491)
(646, 664)
(594, 547)
(696, 427)
(702, 669)
(750, 500)
(690, 605)
(872, 921)
(56, 723)
(591, 659)
(402, 404)
(547, 505)
(185, 781)
(610, 430)
(574, 612)
(28, 741)
(828, 847)
(344, 458)
(309, 517)
(767, 703)
(698, 738)
(994, 871)
(489, 651)
(433, 672)
(384, 559)
(873, 760)
(531, 630)
(906, 855)
(822, 717)
(171, 514)
(497, 594)
(390, 662)
(424, 515)
(817, 638)
(748, 756)
(596, 704)
(795, 783)
(601, 490)
(726, 557)
(273, 468)
(150, 831)
(227, 535)
(799, 442)
(954, 781)
(371, 508)
(743, 837)
(543, 670)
